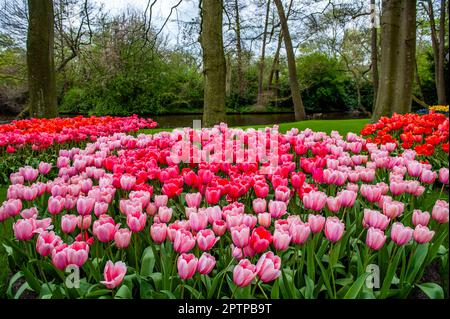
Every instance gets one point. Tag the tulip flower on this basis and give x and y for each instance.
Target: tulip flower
(334, 229)
(401, 234)
(244, 273)
(375, 238)
(268, 267)
(206, 239)
(422, 234)
(187, 265)
(260, 239)
(114, 274)
(206, 264)
(184, 241)
(122, 238)
(420, 218)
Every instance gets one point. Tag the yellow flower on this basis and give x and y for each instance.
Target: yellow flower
(440, 108)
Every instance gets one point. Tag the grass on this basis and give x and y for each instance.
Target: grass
(342, 126)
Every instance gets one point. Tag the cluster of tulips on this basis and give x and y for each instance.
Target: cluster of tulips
(426, 134)
(26, 142)
(162, 216)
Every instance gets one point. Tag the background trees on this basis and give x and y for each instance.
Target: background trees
(127, 61)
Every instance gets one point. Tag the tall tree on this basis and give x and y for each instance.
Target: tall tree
(438, 44)
(240, 72)
(398, 47)
(374, 51)
(299, 109)
(214, 66)
(40, 59)
(262, 59)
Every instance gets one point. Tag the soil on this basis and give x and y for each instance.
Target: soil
(431, 274)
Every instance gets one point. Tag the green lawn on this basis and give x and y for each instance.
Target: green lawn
(343, 126)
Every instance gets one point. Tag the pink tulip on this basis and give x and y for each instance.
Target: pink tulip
(28, 173)
(316, 223)
(136, 221)
(333, 204)
(198, 221)
(398, 188)
(59, 257)
(158, 232)
(268, 267)
(219, 227)
(373, 218)
(161, 200)
(206, 239)
(428, 177)
(401, 234)
(44, 167)
(184, 241)
(420, 218)
(347, 197)
(375, 238)
(187, 265)
(100, 208)
(414, 168)
(164, 214)
(393, 209)
(77, 253)
(24, 229)
(334, 229)
(29, 213)
(68, 223)
(422, 234)
(371, 192)
(264, 219)
(114, 274)
(443, 175)
(85, 205)
(282, 193)
(212, 195)
(281, 240)
(127, 182)
(315, 200)
(299, 232)
(206, 264)
(244, 273)
(193, 200)
(55, 205)
(214, 213)
(105, 229)
(440, 212)
(12, 207)
(240, 235)
(259, 205)
(84, 222)
(122, 238)
(277, 208)
(151, 209)
(46, 242)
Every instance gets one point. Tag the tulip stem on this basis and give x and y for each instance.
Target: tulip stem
(223, 276)
(262, 290)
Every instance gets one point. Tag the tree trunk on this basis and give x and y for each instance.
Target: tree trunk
(295, 87)
(240, 73)
(442, 99)
(374, 55)
(228, 75)
(213, 62)
(398, 42)
(260, 101)
(40, 59)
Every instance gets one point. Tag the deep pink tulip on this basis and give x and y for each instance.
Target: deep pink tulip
(244, 273)
(443, 175)
(187, 265)
(105, 229)
(206, 264)
(268, 267)
(401, 234)
(59, 257)
(24, 229)
(114, 274)
(261, 190)
(212, 195)
(375, 238)
(12, 207)
(77, 253)
(422, 234)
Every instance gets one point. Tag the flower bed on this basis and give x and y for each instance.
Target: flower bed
(294, 215)
(22, 141)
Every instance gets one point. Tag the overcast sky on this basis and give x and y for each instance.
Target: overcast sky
(187, 10)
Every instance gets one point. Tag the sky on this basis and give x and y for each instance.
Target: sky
(187, 10)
